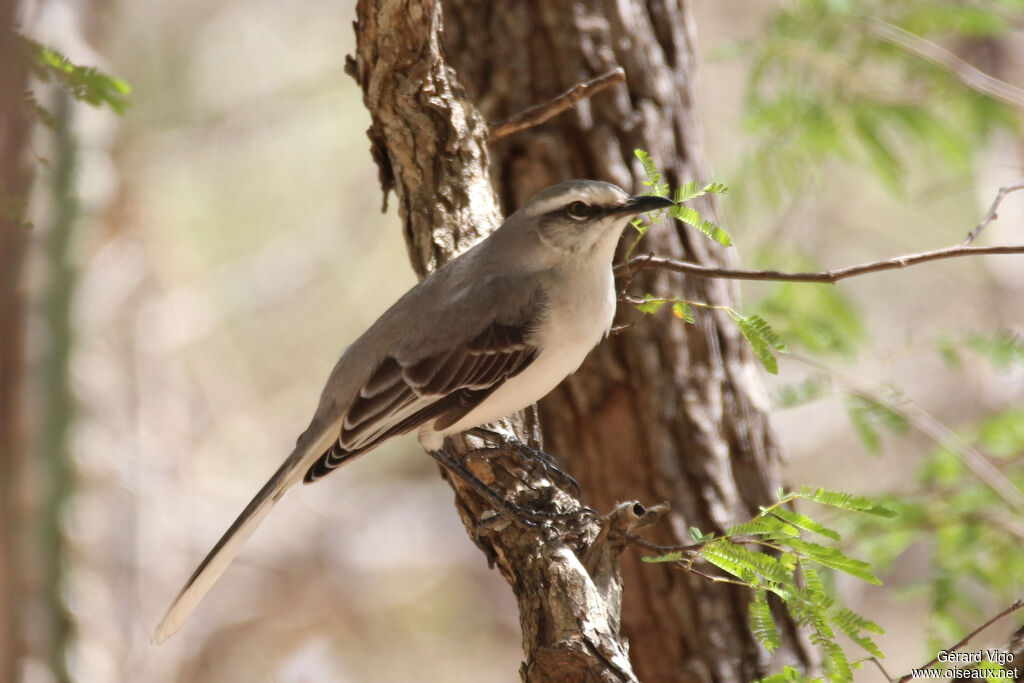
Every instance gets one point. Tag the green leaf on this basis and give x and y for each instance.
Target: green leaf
(833, 558)
(650, 304)
(716, 188)
(762, 526)
(804, 522)
(683, 311)
(762, 624)
(814, 587)
(653, 174)
(762, 339)
(853, 625)
(686, 192)
(690, 216)
(743, 563)
(844, 501)
(836, 664)
(85, 83)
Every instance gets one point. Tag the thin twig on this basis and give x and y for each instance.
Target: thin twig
(538, 114)
(649, 261)
(874, 660)
(715, 579)
(665, 549)
(992, 212)
(970, 76)
(826, 277)
(1009, 610)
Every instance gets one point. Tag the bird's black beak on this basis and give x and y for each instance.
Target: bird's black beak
(642, 203)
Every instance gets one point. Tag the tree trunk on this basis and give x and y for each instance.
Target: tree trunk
(15, 180)
(665, 411)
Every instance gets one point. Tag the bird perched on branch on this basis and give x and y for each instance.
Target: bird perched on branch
(482, 337)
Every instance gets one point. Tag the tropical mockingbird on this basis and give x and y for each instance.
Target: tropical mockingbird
(485, 335)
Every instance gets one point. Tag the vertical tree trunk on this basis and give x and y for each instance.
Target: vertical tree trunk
(663, 412)
(15, 180)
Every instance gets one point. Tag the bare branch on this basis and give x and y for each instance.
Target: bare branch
(538, 114)
(649, 261)
(992, 212)
(970, 76)
(828, 277)
(1009, 610)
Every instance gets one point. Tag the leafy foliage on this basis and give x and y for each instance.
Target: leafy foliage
(762, 624)
(970, 539)
(762, 339)
(826, 84)
(770, 555)
(758, 333)
(85, 83)
(684, 193)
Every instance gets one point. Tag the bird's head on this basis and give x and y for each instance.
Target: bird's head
(579, 216)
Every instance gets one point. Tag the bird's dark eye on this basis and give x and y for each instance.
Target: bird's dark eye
(578, 210)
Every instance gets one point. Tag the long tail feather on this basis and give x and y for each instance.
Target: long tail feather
(218, 559)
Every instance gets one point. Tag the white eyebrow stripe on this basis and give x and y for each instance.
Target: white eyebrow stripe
(598, 196)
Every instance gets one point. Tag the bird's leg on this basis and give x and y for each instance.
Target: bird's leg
(501, 504)
(547, 462)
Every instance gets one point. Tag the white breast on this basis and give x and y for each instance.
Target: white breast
(580, 317)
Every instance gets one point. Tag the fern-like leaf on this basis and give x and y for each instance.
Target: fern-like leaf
(762, 624)
(844, 501)
(692, 217)
(854, 625)
(762, 526)
(744, 564)
(804, 522)
(762, 339)
(834, 558)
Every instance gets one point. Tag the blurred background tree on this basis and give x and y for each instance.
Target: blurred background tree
(227, 246)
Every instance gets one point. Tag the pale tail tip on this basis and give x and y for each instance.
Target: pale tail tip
(162, 632)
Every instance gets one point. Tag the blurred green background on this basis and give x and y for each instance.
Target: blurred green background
(230, 243)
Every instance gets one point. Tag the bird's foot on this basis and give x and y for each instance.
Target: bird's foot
(548, 464)
(525, 516)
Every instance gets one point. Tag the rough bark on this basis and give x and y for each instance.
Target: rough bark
(15, 180)
(663, 412)
(429, 142)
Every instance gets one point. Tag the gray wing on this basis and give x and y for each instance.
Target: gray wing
(441, 387)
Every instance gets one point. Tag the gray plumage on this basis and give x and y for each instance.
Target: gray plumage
(489, 333)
